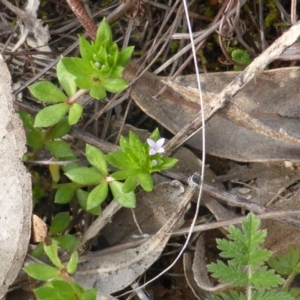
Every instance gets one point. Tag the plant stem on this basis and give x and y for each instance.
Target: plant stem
(76, 96)
(249, 286)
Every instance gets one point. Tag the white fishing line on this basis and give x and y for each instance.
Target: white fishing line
(203, 157)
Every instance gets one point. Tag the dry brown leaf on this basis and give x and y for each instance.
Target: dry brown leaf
(39, 230)
(264, 98)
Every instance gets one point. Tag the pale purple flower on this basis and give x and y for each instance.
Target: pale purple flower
(156, 147)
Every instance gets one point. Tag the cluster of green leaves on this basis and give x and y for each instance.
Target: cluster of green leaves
(50, 139)
(136, 166)
(59, 284)
(288, 265)
(98, 70)
(101, 64)
(59, 224)
(136, 163)
(246, 267)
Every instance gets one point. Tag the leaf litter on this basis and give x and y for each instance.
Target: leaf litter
(270, 98)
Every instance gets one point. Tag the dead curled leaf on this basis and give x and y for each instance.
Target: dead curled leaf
(263, 98)
(39, 230)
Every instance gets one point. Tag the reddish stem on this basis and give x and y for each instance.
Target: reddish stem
(83, 17)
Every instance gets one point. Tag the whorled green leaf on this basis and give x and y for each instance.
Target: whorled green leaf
(82, 197)
(113, 56)
(65, 193)
(27, 119)
(100, 58)
(41, 271)
(146, 181)
(104, 71)
(155, 135)
(78, 289)
(136, 145)
(47, 293)
(84, 176)
(50, 115)
(130, 184)
(75, 113)
(63, 287)
(124, 143)
(38, 251)
(85, 82)
(67, 241)
(59, 149)
(86, 49)
(124, 199)
(116, 71)
(104, 34)
(66, 79)
(125, 55)
(96, 158)
(90, 294)
(120, 175)
(119, 159)
(97, 196)
(97, 92)
(47, 92)
(51, 252)
(167, 163)
(59, 223)
(56, 292)
(77, 66)
(70, 166)
(58, 130)
(114, 85)
(72, 264)
(35, 139)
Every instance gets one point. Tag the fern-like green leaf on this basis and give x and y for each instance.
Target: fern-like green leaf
(264, 278)
(233, 296)
(243, 245)
(227, 273)
(288, 263)
(246, 259)
(271, 295)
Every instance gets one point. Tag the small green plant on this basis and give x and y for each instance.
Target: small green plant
(97, 71)
(246, 266)
(242, 57)
(136, 162)
(59, 284)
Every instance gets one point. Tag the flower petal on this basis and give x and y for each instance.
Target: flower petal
(160, 150)
(160, 142)
(151, 143)
(152, 151)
